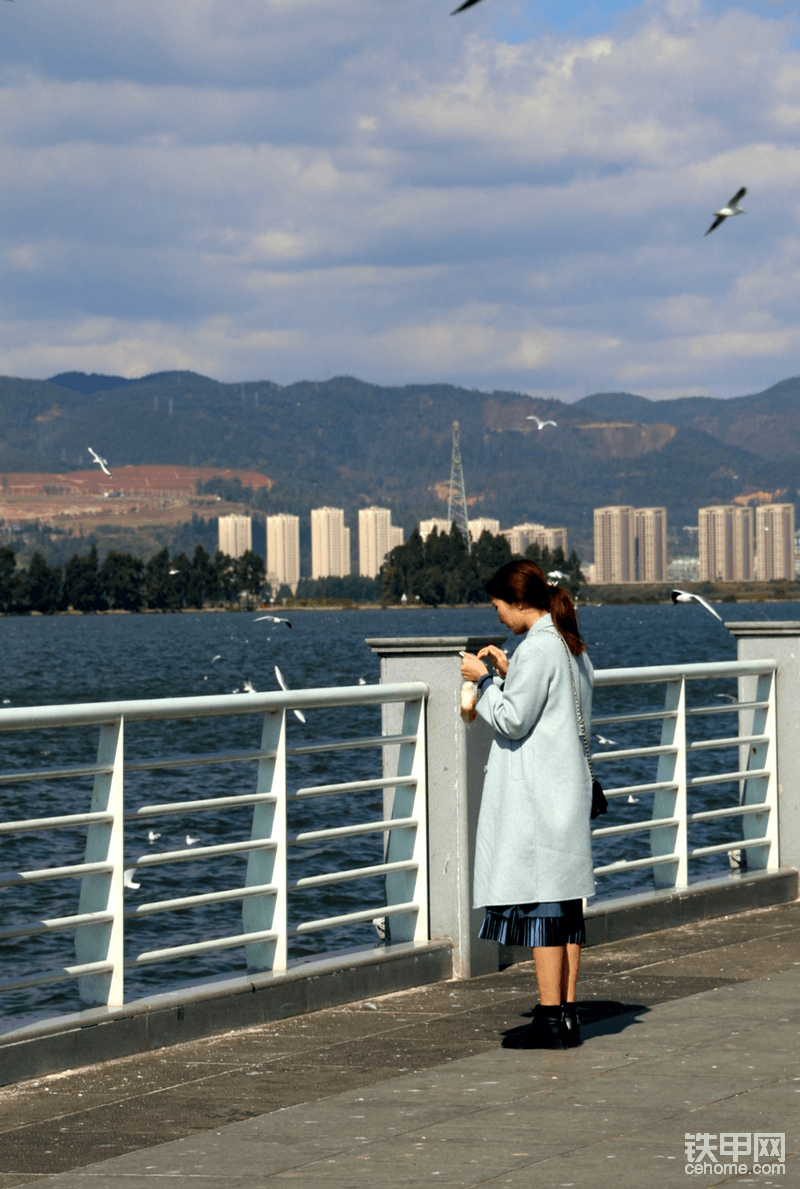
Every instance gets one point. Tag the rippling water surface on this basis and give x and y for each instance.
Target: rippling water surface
(102, 658)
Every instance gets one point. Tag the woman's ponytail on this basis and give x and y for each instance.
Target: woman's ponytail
(565, 620)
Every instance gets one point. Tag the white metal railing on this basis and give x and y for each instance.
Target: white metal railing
(99, 924)
(751, 807)
(678, 800)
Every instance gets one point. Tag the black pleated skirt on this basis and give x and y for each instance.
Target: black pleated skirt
(557, 923)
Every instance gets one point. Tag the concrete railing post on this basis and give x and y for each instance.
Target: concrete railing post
(457, 754)
(780, 641)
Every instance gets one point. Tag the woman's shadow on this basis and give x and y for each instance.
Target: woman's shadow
(600, 1017)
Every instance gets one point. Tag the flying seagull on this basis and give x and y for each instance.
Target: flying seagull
(273, 619)
(601, 739)
(284, 686)
(101, 462)
(727, 211)
(539, 423)
(683, 596)
(557, 575)
(466, 4)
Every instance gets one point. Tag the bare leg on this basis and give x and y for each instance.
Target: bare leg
(569, 973)
(552, 972)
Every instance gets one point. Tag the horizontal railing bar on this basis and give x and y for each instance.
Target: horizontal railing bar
(201, 947)
(25, 877)
(200, 852)
(725, 777)
(634, 864)
(190, 761)
(354, 786)
(632, 753)
(643, 717)
(721, 847)
(627, 790)
(318, 881)
(695, 672)
(713, 744)
(635, 827)
(153, 906)
(707, 815)
(57, 976)
(397, 823)
(29, 718)
(366, 914)
(29, 825)
(731, 707)
(173, 807)
(350, 744)
(74, 771)
(55, 923)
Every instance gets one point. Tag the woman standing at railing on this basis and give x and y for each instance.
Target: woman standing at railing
(533, 856)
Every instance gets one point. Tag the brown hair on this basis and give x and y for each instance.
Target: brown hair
(523, 583)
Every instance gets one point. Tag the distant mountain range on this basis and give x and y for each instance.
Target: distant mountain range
(349, 444)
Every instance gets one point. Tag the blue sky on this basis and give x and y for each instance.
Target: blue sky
(512, 198)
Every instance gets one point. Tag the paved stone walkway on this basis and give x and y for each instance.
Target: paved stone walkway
(692, 1030)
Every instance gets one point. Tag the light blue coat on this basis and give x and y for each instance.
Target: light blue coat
(533, 841)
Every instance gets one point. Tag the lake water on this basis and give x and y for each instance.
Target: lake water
(102, 658)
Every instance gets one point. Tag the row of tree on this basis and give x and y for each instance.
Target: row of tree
(442, 570)
(438, 570)
(126, 583)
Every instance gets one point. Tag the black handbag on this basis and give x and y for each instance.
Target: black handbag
(599, 802)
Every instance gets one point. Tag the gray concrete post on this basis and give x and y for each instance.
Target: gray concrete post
(457, 754)
(781, 641)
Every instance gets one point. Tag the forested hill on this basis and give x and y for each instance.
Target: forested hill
(349, 444)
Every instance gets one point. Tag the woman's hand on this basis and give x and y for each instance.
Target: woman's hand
(498, 658)
(471, 668)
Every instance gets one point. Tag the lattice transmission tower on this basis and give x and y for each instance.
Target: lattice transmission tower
(457, 504)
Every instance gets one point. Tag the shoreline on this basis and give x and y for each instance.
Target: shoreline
(602, 596)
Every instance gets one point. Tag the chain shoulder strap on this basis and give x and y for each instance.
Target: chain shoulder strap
(577, 700)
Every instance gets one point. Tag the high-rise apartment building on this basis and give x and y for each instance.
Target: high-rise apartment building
(235, 535)
(330, 544)
(377, 536)
(725, 543)
(438, 523)
(614, 544)
(283, 551)
(774, 542)
(482, 524)
(650, 536)
(520, 536)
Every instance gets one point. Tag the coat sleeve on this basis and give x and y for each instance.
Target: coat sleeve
(514, 708)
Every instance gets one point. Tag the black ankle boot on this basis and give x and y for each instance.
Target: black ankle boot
(545, 1031)
(572, 1025)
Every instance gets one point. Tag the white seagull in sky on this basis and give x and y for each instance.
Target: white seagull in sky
(101, 462)
(272, 619)
(285, 687)
(539, 423)
(683, 596)
(728, 211)
(556, 575)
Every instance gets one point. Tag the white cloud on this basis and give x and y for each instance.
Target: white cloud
(298, 189)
